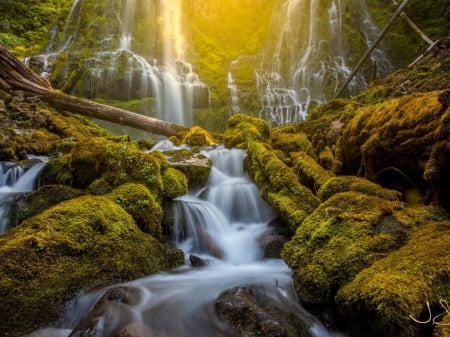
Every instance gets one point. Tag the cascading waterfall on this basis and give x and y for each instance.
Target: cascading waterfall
(15, 180)
(305, 61)
(123, 68)
(221, 224)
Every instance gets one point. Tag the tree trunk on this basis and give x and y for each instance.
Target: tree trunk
(14, 75)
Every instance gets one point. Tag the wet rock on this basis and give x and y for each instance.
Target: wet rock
(197, 261)
(272, 244)
(252, 312)
(136, 330)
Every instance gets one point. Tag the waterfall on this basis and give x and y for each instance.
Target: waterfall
(220, 223)
(141, 57)
(15, 180)
(310, 53)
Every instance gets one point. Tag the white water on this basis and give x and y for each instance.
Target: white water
(15, 180)
(181, 303)
(305, 60)
(118, 71)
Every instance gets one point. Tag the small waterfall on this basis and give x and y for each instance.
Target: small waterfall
(144, 60)
(233, 93)
(224, 233)
(15, 180)
(310, 53)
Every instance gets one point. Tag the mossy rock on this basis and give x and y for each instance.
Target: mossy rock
(309, 172)
(242, 129)
(345, 235)
(197, 136)
(57, 171)
(115, 162)
(42, 199)
(195, 166)
(279, 185)
(78, 243)
(382, 299)
(139, 202)
(401, 141)
(289, 142)
(351, 183)
(175, 183)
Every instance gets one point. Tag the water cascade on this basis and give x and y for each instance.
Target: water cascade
(221, 224)
(309, 54)
(15, 180)
(138, 54)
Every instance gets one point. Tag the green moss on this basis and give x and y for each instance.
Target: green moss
(57, 171)
(175, 183)
(289, 142)
(279, 185)
(242, 129)
(42, 199)
(381, 299)
(197, 136)
(78, 243)
(116, 163)
(139, 202)
(309, 172)
(352, 183)
(345, 235)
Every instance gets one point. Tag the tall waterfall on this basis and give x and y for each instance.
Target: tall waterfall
(140, 53)
(309, 54)
(222, 224)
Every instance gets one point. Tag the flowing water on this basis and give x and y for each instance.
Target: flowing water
(15, 180)
(120, 68)
(304, 61)
(220, 223)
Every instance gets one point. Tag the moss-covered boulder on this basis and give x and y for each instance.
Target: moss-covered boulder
(242, 129)
(195, 166)
(116, 163)
(198, 136)
(279, 185)
(78, 243)
(351, 183)
(289, 142)
(389, 298)
(345, 235)
(139, 202)
(175, 183)
(402, 142)
(309, 172)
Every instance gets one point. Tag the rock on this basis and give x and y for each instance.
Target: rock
(252, 312)
(136, 330)
(272, 244)
(197, 261)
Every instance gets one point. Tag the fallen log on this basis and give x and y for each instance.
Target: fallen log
(14, 75)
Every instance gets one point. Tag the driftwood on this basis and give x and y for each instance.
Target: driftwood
(14, 75)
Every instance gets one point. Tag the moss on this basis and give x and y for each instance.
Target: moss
(197, 136)
(279, 185)
(75, 244)
(175, 183)
(57, 171)
(242, 129)
(406, 136)
(345, 235)
(195, 166)
(309, 172)
(42, 199)
(289, 142)
(381, 299)
(116, 163)
(139, 202)
(352, 183)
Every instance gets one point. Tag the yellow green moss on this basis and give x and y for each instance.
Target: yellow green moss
(279, 185)
(345, 235)
(289, 142)
(381, 299)
(139, 202)
(76, 244)
(116, 163)
(175, 183)
(351, 183)
(197, 136)
(57, 171)
(309, 172)
(242, 129)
